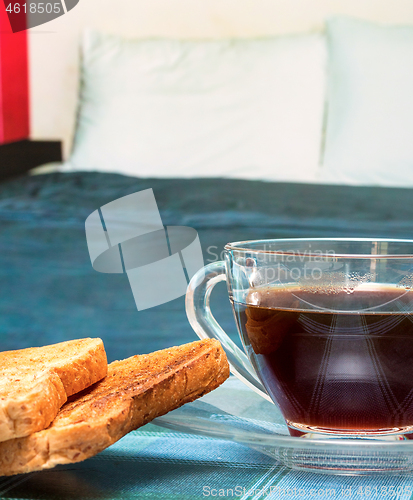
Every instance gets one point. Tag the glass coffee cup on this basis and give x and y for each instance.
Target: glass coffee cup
(327, 328)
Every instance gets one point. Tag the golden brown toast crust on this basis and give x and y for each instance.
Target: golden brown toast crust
(36, 382)
(135, 391)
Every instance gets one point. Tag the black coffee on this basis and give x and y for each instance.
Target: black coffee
(342, 371)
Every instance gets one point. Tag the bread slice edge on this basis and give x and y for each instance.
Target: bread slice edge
(37, 405)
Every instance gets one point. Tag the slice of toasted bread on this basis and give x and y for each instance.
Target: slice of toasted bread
(36, 382)
(135, 391)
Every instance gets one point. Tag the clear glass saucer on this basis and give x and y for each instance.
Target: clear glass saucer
(235, 412)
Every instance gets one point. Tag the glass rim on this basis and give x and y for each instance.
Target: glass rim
(244, 246)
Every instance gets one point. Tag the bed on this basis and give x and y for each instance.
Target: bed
(237, 138)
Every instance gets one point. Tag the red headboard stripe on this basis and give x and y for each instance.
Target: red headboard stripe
(14, 82)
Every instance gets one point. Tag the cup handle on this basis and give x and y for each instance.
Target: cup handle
(205, 325)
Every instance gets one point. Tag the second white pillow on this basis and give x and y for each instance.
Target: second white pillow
(370, 104)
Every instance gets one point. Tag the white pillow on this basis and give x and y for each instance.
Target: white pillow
(229, 108)
(369, 138)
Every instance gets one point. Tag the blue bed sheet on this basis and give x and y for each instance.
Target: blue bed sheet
(51, 293)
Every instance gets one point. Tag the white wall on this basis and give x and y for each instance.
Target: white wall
(54, 47)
